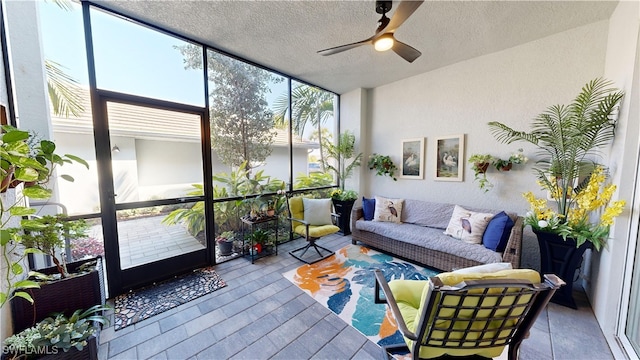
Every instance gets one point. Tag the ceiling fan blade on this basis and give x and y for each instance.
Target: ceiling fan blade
(341, 48)
(402, 13)
(407, 52)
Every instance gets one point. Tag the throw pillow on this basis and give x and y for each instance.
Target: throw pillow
(389, 210)
(467, 226)
(498, 231)
(317, 211)
(485, 269)
(368, 208)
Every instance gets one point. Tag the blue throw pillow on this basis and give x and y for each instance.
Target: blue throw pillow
(368, 208)
(496, 235)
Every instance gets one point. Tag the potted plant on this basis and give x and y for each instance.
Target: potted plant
(480, 164)
(568, 138)
(225, 242)
(22, 159)
(343, 169)
(383, 165)
(258, 239)
(59, 337)
(506, 165)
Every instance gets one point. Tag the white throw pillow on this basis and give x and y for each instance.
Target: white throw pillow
(485, 269)
(389, 210)
(317, 211)
(468, 226)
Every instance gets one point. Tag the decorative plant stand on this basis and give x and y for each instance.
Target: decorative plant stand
(343, 208)
(253, 251)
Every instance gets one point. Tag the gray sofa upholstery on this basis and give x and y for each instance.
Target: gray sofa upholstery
(420, 237)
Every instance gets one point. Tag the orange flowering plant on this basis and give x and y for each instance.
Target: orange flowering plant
(569, 139)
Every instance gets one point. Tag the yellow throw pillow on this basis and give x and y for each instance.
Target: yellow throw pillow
(389, 210)
(468, 226)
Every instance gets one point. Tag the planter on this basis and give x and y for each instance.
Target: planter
(561, 258)
(507, 167)
(481, 167)
(225, 247)
(89, 352)
(343, 208)
(65, 295)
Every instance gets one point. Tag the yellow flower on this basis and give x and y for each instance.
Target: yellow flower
(611, 212)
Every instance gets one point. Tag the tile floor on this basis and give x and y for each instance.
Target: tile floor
(261, 315)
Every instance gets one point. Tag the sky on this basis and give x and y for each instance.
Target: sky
(154, 67)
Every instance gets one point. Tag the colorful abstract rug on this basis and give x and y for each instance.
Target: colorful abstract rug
(345, 284)
(152, 300)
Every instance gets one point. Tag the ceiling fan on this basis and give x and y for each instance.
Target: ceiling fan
(383, 39)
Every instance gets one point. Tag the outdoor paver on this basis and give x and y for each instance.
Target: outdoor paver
(127, 355)
(288, 332)
(224, 349)
(263, 348)
(161, 342)
(295, 350)
(179, 318)
(204, 322)
(259, 328)
(134, 338)
(319, 335)
(329, 351)
(191, 346)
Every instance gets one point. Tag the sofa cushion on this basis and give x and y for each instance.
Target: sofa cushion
(496, 235)
(426, 213)
(430, 238)
(467, 225)
(368, 208)
(388, 209)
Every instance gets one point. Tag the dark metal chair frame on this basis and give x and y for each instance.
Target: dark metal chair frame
(311, 241)
(515, 323)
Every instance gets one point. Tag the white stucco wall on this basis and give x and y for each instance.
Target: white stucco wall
(608, 267)
(510, 86)
(353, 118)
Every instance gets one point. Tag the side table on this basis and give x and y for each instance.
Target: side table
(253, 251)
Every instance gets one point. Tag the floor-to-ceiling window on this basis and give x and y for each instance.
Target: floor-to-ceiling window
(156, 164)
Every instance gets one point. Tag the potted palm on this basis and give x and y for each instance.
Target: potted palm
(568, 138)
(341, 154)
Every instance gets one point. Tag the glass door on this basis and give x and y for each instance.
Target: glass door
(153, 160)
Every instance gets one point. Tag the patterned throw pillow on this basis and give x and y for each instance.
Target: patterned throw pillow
(467, 226)
(389, 210)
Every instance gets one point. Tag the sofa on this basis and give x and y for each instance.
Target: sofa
(420, 237)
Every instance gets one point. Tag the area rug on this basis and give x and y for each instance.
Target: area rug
(345, 284)
(146, 302)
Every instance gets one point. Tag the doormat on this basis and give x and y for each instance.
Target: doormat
(152, 300)
(345, 284)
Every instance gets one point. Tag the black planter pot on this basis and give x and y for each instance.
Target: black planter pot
(225, 247)
(561, 258)
(343, 208)
(65, 295)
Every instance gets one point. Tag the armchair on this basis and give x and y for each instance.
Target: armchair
(470, 315)
(312, 219)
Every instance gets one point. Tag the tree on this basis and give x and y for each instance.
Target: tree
(241, 122)
(310, 105)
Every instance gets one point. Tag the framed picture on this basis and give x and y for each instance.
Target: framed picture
(412, 164)
(450, 158)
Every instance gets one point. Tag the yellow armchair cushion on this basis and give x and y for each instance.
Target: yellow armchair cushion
(411, 308)
(316, 231)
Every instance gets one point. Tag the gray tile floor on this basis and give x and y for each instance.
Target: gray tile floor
(261, 315)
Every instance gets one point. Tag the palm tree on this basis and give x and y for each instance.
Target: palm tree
(310, 105)
(64, 92)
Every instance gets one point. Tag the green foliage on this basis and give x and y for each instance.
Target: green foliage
(383, 165)
(568, 138)
(259, 236)
(239, 183)
(48, 233)
(241, 121)
(23, 159)
(312, 180)
(340, 153)
(480, 162)
(338, 194)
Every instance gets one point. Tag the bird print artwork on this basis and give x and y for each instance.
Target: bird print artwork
(411, 161)
(466, 225)
(392, 209)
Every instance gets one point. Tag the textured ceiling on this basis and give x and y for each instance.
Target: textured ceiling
(285, 35)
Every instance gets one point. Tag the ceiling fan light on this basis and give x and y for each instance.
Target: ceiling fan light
(384, 42)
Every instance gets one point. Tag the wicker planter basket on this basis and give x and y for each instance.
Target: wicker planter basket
(65, 295)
